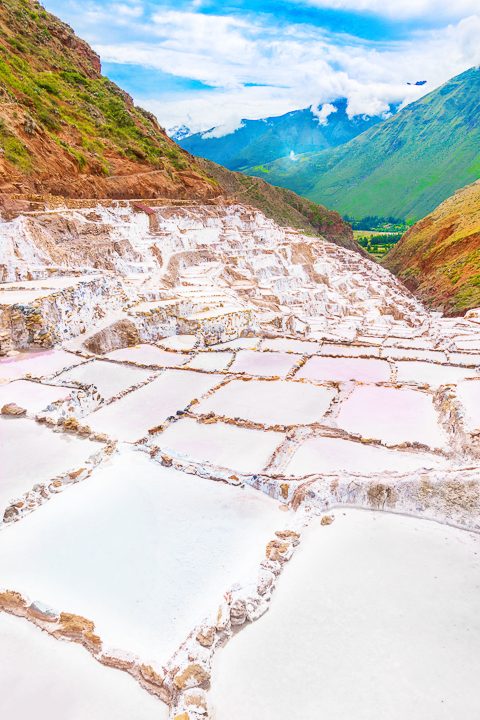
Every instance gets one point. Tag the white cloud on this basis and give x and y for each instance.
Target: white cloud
(226, 128)
(323, 112)
(401, 9)
(288, 67)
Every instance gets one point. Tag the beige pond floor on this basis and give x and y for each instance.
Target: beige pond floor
(375, 618)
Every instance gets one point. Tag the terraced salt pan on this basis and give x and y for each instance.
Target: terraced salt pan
(239, 344)
(271, 402)
(38, 364)
(144, 551)
(392, 415)
(333, 455)
(303, 347)
(349, 350)
(241, 449)
(264, 363)
(23, 297)
(376, 616)
(131, 417)
(148, 355)
(179, 342)
(32, 396)
(468, 392)
(431, 373)
(341, 369)
(210, 361)
(109, 378)
(32, 453)
(51, 680)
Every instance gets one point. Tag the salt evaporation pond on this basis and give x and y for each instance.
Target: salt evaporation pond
(148, 355)
(264, 363)
(238, 448)
(468, 393)
(109, 378)
(392, 415)
(303, 347)
(131, 417)
(332, 455)
(31, 396)
(376, 616)
(32, 453)
(264, 401)
(37, 363)
(52, 680)
(211, 361)
(144, 551)
(341, 369)
(431, 373)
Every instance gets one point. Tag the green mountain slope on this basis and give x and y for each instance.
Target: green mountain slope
(404, 166)
(439, 257)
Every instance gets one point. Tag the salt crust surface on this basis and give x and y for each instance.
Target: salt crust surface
(32, 396)
(109, 378)
(266, 363)
(468, 393)
(361, 369)
(392, 415)
(31, 453)
(430, 373)
(263, 401)
(331, 455)
(38, 364)
(210, 361)
(148, 355)
(144, 551)
(376, 616)
(132, 416)
(242, 449)
(51, 680)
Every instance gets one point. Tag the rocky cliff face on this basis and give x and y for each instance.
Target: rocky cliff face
(439, 257)
(67, 130)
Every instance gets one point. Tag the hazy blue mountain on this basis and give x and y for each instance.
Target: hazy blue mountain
(261, 141)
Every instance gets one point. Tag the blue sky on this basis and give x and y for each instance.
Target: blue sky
(207, 63)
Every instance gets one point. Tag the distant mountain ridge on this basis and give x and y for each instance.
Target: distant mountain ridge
(257, 142)
(403, 166)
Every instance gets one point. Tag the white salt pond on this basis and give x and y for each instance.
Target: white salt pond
(179, 342)
(110, 378)
(270, 402)
(148, 355)
(342, 369)
(392, 415)
(144, 551)
(468, 393)
(211, 361)
(32, 453)
(241, 449)
(239, 344)
(431, 373)
(264, 363)
(52, 680)
(32, 396)
(40, 363)
(130, 417)
(376, 616)
(332, 455)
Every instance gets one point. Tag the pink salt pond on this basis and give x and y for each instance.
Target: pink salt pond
(148, 355)
(392, 415)
(264, 363)
(343, 369)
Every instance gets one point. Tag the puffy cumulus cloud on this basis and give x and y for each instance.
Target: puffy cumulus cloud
(401, 9)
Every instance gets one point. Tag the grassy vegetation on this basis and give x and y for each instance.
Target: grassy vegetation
(376, 243)
(57, 83)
